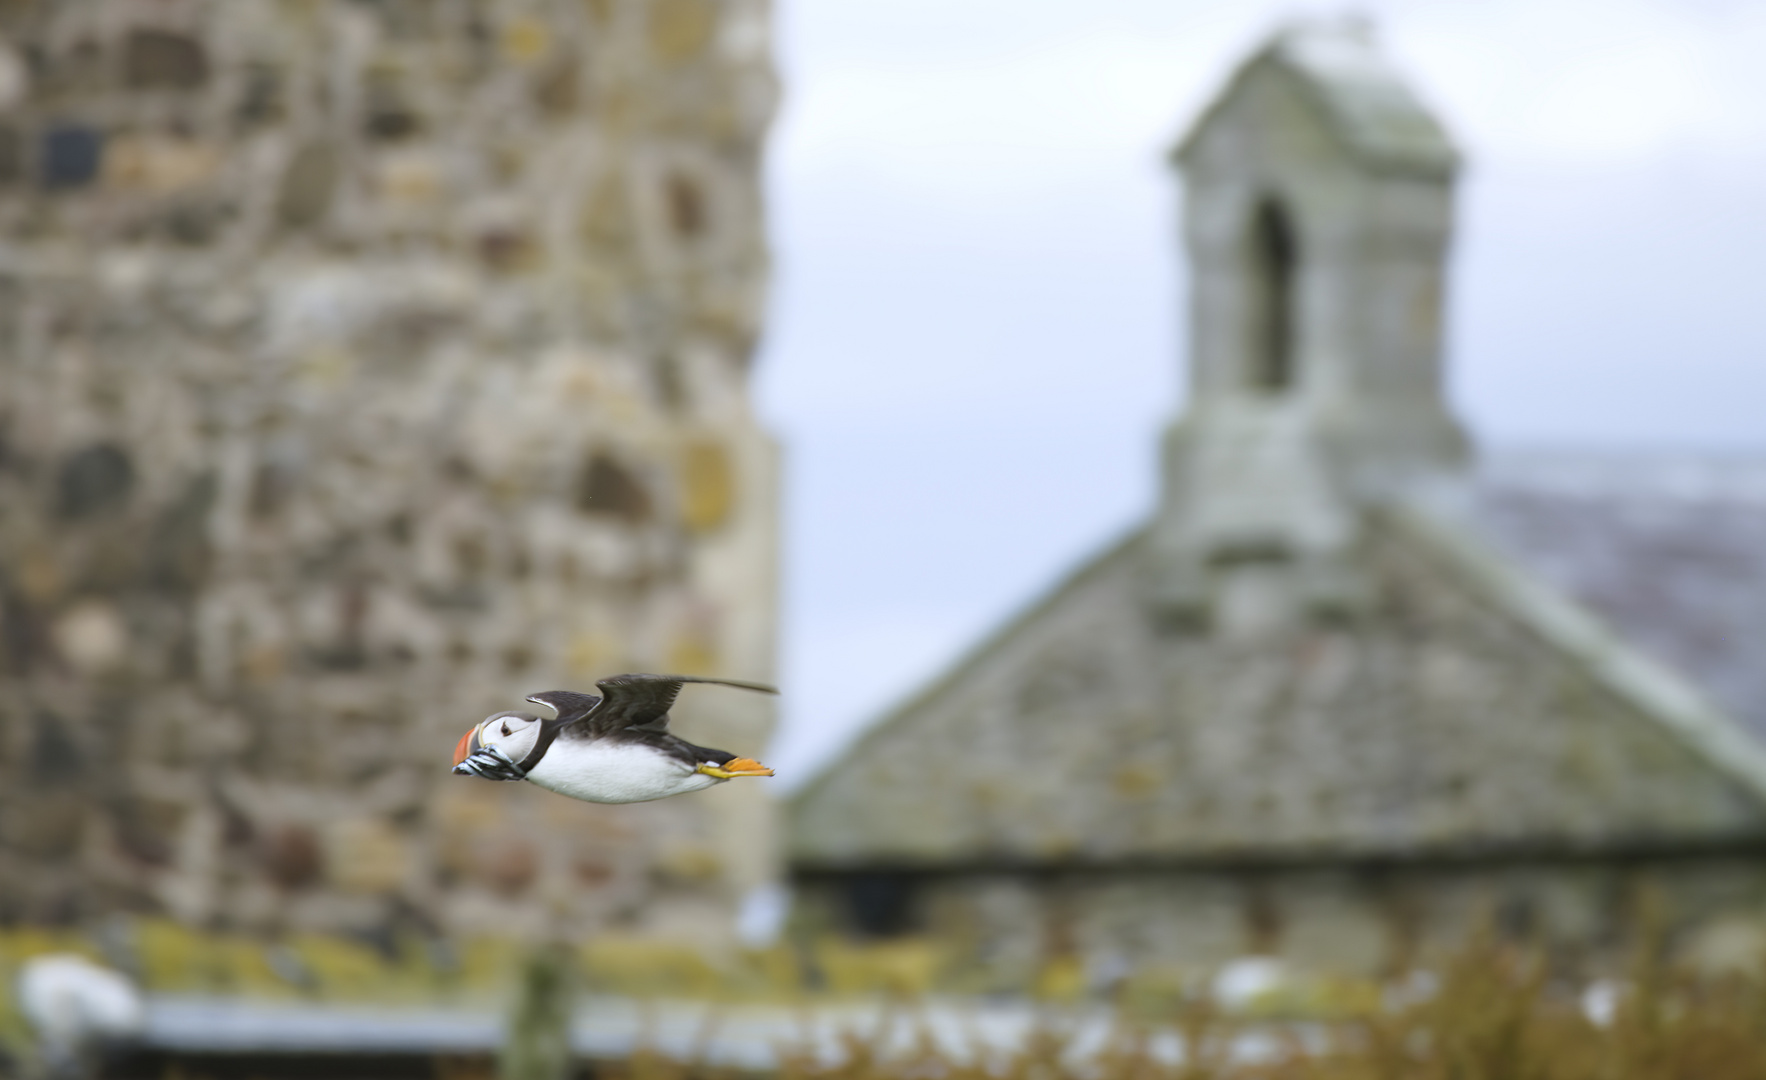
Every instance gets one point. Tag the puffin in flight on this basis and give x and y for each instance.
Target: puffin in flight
(615, 748)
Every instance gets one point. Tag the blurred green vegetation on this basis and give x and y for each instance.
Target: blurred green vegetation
(1491, 1013)
(166, 957)
(1494, 1011)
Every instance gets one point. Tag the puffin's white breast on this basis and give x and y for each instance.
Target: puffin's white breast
(597, 770)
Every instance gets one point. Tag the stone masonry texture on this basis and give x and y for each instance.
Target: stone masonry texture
(1431, 724)
(364, 367)
(1350, 794)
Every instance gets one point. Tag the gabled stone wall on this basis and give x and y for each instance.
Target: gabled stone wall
(365, 366)
(1437, 721)
(1349, 794)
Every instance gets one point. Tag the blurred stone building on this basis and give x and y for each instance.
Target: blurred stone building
(366, 365)
(1346, 693)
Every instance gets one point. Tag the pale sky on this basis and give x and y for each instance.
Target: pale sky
(977, 324)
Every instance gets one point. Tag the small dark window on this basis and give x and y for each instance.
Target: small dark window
(880, 905)
(1274, 258)
(71, 156)
(606, 486)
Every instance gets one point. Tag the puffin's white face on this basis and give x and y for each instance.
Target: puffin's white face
(511, 734)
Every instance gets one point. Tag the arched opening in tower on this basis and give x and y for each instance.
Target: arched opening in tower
(1274, 260)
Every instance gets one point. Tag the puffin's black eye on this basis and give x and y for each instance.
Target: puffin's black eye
(505, 727)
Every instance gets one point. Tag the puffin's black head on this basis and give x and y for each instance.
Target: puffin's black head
(493, 749)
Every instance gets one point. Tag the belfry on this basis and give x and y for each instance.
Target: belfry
(1318, 210)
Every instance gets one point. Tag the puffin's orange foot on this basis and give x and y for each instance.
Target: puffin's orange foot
(735, 767)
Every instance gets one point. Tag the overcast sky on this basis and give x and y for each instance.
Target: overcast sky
(976, 328)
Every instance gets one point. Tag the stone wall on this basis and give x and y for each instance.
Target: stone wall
(1440, 718)
(365, 366)
(997, 930)
(1096, 790)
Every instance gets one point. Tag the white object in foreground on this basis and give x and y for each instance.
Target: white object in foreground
(76, 1007)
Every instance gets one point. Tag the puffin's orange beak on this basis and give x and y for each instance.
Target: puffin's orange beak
(464, 747)
(735, 767)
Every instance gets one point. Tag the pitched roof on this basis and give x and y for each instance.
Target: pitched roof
(1362, 98)
(1472, 709)
(1669, 549)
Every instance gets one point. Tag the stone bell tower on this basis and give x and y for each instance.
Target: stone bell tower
(1317, 209)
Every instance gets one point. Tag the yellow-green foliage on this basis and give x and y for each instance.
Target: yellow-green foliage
(166, 957)
(905, 968)
(1495, 1015)
(170, 958)
(1498, 1016)
(1494, 1012)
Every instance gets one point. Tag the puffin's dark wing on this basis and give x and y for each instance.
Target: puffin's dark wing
(644, 700)
(571, 706)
